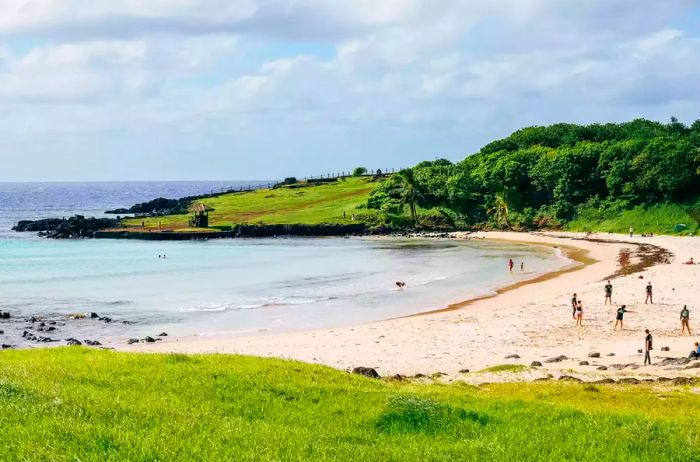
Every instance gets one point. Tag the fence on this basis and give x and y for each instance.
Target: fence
(330, 176)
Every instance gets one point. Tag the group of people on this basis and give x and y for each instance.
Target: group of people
(511, 264)
(577, 312)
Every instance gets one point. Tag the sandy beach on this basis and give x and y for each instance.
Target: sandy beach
(533, 321)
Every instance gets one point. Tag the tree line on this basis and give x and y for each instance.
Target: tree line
(544, 176)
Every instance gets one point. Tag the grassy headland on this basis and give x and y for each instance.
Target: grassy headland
(312, 204)
(77, 404)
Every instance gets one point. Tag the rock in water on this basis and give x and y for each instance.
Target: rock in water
(94, 315)
(367, 372)
(131, 341)
(4, 315)
(73, 341)
(163, 334)
(149, 339)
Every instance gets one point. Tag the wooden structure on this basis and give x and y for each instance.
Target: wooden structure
(200, 215)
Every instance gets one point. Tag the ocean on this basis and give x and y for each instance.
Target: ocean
(225, 287)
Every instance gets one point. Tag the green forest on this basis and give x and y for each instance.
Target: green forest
(585, 177)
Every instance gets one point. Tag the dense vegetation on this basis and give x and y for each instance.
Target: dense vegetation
(586, 175)
(72, 403)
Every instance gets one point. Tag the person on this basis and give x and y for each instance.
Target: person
(685, 319)
(522, 266)
(608, 293)
(573, 306)
(631, 231)
(650, 294)
(695, 353)
(510, 265)
(689, 262)
(648, 346)
(620, 317)
(579, 314)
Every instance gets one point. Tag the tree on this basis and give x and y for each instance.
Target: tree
(408, 191)
(500, 209)
(359, 171)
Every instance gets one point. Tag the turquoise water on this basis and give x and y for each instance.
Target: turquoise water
(246, 286)
(228, 287)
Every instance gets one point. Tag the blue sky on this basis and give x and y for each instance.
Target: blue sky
(253, 89)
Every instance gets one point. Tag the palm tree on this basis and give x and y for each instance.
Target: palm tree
(500, 209)
(408, 191)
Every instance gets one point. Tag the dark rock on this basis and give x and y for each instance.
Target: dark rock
(584, 363)
(640, 351)
(513, 356)
(92, 343)
(367, 372)
(131, 341)
(683, 381)
(569, 378)
(419, 376)
(149, 339)
(664, 379)
(535, 364)
(5, 346)
(52, 323)
(665, 348)
(398, 378)
(604, 381)
(610, 354)
(629, 380)
(163, 334)
(105, 319)
(74, 227)
(602, 368)
(466, 371)
(2, 332)
(594, 354)
(558, 359)
(4, 315)
(94, 315)
(693, 366)
(674, 362)
(73, 341)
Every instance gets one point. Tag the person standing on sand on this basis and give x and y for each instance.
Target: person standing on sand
(648, 346)
(650, 294)
(579, 314)
(631, 231)
(510, 265)
(685, 319)
(573, 306)
(620, 317)
(608, 293)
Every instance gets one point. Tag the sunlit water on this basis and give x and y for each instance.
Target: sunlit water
(236, 287)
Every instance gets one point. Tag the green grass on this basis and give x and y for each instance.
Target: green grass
(658, 219)
(71, 404)
(324, 203)
(506, 368)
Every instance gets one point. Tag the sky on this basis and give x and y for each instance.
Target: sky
(104, 90)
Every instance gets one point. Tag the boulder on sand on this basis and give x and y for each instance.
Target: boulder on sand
(367, 372)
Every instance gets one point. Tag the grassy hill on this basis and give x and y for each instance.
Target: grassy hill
(322, 203)
(72, 403)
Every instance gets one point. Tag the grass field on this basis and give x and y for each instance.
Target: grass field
(75, 404)
(324, 203)
(657, 219)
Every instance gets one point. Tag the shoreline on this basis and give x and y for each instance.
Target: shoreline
(525, 324)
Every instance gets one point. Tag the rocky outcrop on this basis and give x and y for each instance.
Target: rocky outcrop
(72, 228)
(157, 207)
(321, 229)
(367, 372)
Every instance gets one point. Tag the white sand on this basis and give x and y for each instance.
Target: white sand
(533, 321)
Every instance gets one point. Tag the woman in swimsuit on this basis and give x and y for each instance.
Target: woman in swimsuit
(579, 314)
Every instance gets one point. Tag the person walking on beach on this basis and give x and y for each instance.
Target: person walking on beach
(573, 306)
(648, 346)
(579, 314)
(631, 231)
(608, 293)
(685, 319)
(650, 294)
(620, 317)
(510, 265)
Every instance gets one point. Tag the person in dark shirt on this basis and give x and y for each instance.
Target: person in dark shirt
(648, 346)
(619, 320)
(685, 319)
(573, 306)
(608, 293)
(650, 294)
